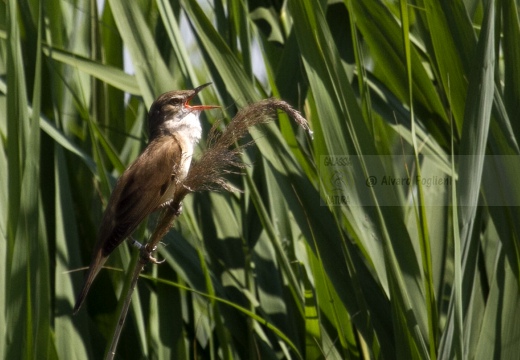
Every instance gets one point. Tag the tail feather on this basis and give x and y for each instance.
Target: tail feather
(97, 263)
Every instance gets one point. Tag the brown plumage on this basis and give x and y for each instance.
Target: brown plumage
(151, 181)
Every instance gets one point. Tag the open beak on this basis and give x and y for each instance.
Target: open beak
(198, 107)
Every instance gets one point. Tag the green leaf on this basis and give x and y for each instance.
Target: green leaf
(109, 74)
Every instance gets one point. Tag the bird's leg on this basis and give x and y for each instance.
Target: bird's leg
(146, 255)
(135, 243)
(176, 208)
(187, 188)
(170, 212)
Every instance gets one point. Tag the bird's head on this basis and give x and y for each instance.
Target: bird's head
(171, 112)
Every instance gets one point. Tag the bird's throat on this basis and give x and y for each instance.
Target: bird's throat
(188, 131)
(188, 127)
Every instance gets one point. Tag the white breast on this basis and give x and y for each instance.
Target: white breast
(186, 160)
(188, 126)
(188, 132)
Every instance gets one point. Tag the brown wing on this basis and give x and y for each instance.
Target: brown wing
(139, 190)
(137, 193)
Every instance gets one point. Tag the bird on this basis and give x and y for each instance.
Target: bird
(150, 182)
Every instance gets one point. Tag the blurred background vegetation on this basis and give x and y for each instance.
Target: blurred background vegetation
(277, 271)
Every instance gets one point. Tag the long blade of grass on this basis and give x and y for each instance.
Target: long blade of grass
(475, 129)
(345, 132)
(4, 176)
(237, 83)
(145, 55)
(500, 336)
(108, 74)
(420, 212)
(452, 342)
(511, 60)
(450, 51)
(243, 310)
(20, 254)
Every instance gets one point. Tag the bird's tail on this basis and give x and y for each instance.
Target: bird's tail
(96, 264)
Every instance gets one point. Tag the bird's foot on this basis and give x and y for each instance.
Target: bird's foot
(135, 243)
(187, 188)
(177, 209)
(146, 256)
